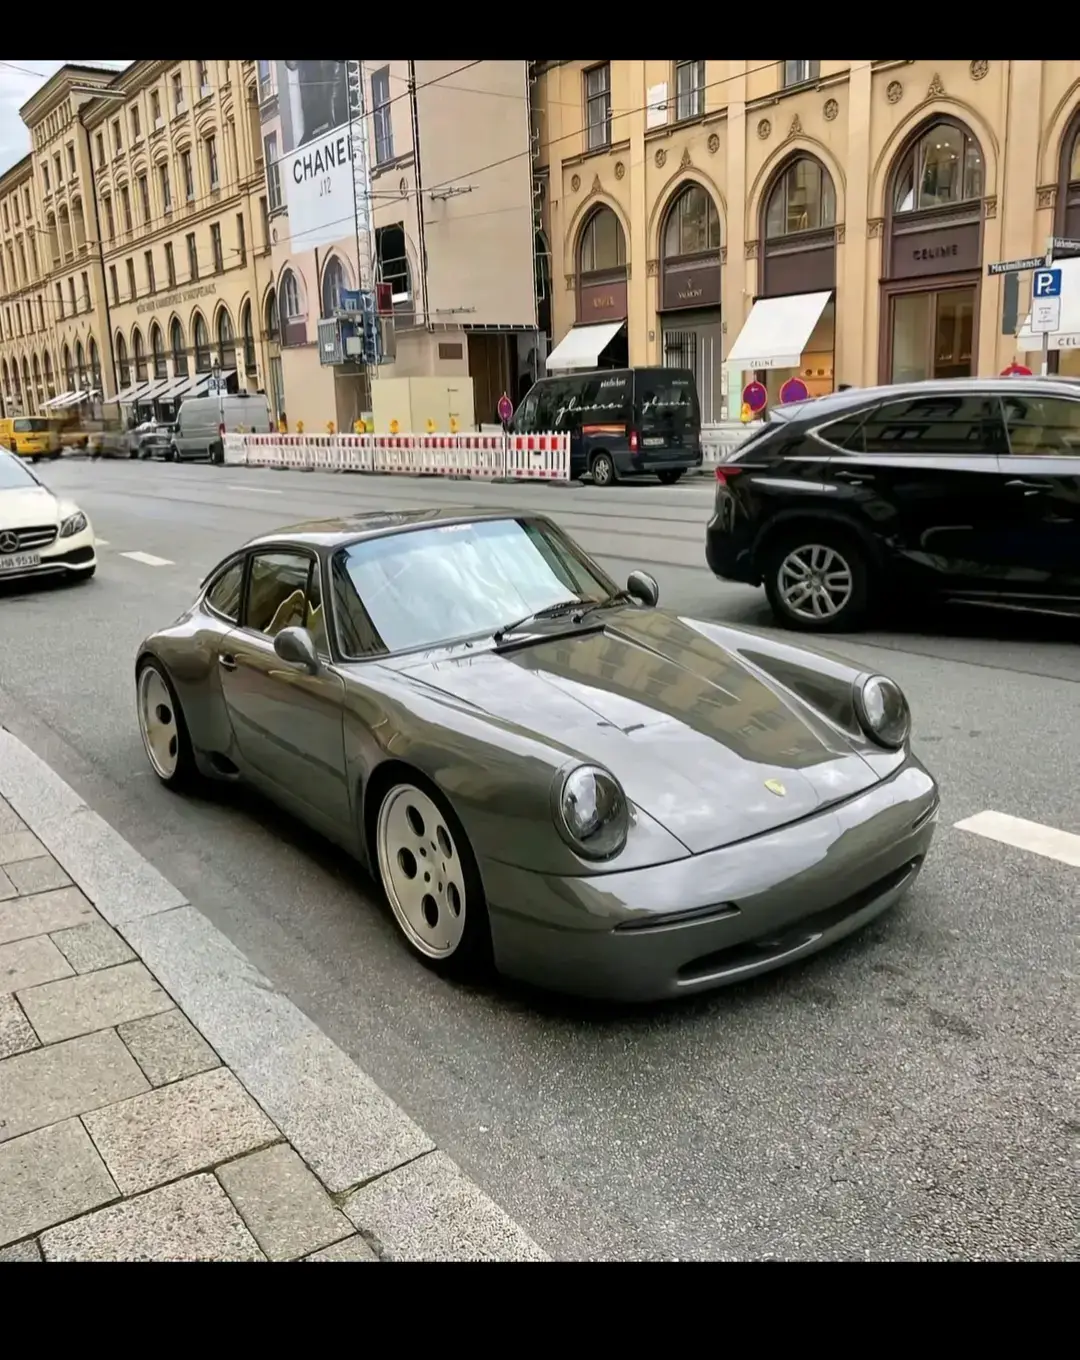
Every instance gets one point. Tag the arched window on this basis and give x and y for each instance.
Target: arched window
(69, 372)
(95, 366)
(27, 386)
(37, 375)
(201, 335)
(139, 351)
(50, 384)
(693, 225)
(65, 232)
(80, 366)
(603, 244)
(226, 341)
(16, 385)
(78, 223)
(5, 377)
(273, 321)
(54, 238)
(179, 354)
(122, 366)
(290, 296)
(943, 168)
(334, 283)
(249, 340)
(157, 351)
(802, 199)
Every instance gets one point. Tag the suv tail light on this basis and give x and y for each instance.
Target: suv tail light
(221, 430)
(725, 472)
(633, 441)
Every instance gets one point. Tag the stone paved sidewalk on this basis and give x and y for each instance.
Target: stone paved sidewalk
(124, 1135)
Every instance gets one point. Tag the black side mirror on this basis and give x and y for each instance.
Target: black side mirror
(643, 588)
(297, 646)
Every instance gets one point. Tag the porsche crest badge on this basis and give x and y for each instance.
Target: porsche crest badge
(774, 786)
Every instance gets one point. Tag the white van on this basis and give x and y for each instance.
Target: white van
(202, 421)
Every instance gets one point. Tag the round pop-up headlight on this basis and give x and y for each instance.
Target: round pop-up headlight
(883, 711)
(591, 811)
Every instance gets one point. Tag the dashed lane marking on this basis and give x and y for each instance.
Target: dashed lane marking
(148, 559)
(259, 490)
(1047, 841)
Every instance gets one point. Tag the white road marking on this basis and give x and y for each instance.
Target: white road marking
(1040, 840)
(101, 542)
(148, 559)
(260, 490)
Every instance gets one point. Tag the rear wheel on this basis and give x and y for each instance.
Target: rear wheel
(164, 731)
(172, 454)
(603, 470)
(670, 476)
(817, 579)
(430, 879)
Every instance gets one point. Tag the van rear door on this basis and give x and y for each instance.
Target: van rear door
(667, 415)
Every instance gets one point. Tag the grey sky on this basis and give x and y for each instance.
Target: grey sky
(18, 81)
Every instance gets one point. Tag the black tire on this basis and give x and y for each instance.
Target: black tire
(186, 773)
(602, 469)
(173, 454)
(217, 454)
(670, 476)
(853, 611)
(472, 959)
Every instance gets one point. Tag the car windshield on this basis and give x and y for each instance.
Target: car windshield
(15, 475)
(33, 425)
(426, 587)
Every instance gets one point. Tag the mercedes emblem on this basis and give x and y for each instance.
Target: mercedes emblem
(9, 542)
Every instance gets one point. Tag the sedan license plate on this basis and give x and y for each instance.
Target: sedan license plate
(19, 561)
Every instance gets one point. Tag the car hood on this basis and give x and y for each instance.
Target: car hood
(22, 508)
(712, 749)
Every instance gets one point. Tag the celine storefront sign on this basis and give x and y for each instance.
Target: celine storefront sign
(949, 249)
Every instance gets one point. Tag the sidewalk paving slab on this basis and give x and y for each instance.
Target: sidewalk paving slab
(161, 1100)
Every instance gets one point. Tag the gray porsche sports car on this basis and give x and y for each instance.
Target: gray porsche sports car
(545, 772)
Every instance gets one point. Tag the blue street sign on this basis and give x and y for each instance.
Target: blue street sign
(1046, 283)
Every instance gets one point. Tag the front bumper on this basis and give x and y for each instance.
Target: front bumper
(72, 556)
(719, 917)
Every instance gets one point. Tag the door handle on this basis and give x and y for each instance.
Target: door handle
(854, 478)
(1039, 484)
(227, 662)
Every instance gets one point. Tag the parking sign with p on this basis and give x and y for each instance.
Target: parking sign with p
(1046, 283)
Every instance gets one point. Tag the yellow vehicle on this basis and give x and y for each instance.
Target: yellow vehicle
(30, 436)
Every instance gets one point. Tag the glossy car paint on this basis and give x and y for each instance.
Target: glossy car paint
(696, 720)
(989, 528)
(28, 515)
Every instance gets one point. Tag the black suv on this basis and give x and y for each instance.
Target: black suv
(967, 489)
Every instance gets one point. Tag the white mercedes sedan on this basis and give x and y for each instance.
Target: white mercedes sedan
(40, 534)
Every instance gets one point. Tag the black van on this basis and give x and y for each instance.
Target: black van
(622, 422)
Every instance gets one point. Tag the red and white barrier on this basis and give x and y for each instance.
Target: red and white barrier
(533, 457)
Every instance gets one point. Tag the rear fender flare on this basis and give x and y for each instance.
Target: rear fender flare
(835, 519)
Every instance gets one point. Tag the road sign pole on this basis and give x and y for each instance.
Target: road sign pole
(1044, 368)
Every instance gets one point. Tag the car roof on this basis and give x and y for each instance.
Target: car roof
(836, 403)
(341, 531)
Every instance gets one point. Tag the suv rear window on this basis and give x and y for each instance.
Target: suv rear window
(666, 396)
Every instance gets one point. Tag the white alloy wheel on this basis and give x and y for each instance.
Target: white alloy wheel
(421, 871)
(158, 723)
(815, 582)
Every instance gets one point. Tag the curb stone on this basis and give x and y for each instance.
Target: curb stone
(198, 1113)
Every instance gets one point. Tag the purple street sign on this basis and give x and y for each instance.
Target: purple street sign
(793, 390)
(505, 409)
(755, 396)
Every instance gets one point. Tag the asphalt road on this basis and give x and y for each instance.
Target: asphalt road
(911, 1094)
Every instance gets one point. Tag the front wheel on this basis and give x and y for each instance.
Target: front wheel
(172, 454)
(817, 580)
(603, 470)
(164, 731)
(670, 476)
(431, 881)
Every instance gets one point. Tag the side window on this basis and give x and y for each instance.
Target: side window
(525, 416)
(561, 410)
(278, 592)
(1046, 426)
(968, 425)
(845, 433)
(223, 597)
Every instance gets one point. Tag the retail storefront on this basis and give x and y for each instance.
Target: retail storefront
(791, 329)
(933, 259)
(690, 291)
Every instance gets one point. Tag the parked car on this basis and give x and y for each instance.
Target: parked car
(966, 490)
(202, 423)
(543, 770)
(40, 534)
(622, 422)
(30, 437)
(155, 440)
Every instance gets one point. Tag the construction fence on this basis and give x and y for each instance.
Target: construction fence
(488, 457)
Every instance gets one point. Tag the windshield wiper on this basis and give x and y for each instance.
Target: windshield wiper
(620, 597)
(551, 611)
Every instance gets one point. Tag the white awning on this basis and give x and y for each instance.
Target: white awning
(54, 403)
(131, 394)
(151, 393)
(1067, 336)
(776, 332)
(581, 347)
